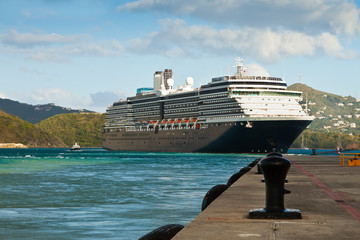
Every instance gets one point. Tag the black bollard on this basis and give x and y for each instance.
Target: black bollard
(313, 151)
(258, 170)
(275, 169)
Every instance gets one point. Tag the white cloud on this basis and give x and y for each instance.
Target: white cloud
(330, 45)
(2, 95)
(55, 47)
(92, 49)
(47, 55)
(346, 19)
(35, 39)
(101, 99)
(58, 96)
(310, 16)
(177, 38)
(263, 29)
(256, 70)
(96, 101)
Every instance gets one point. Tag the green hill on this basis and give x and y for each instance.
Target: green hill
(15, 130)
(333, 113)
(84, 128)
(327, 140)
(337, 120)
(34, 113)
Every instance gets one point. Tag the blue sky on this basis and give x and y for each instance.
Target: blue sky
(90, 53)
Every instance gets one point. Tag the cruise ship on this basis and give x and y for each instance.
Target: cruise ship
(240, 113)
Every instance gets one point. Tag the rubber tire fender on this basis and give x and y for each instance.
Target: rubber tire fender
(165, 232)
(212, 194)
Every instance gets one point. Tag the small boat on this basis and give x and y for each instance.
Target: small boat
(75, 147)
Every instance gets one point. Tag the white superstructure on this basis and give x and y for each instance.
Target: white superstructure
(239, 97)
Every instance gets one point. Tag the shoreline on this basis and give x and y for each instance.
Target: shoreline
(12, 145)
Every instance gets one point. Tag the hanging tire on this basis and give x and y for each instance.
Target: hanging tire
(245, 170)
(234, 178)
(166, 232)
(212, 194)
(253, 164)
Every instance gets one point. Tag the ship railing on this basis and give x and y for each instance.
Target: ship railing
(247, 115)
(252, 78)
(353, 159)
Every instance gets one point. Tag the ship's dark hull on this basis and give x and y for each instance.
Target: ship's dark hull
(260, 137)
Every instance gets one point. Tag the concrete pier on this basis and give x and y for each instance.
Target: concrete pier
(327, 195)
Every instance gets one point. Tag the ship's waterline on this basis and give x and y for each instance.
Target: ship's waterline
(230, 114)
(262, 137)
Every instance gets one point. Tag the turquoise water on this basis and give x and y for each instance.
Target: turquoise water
(98, 194)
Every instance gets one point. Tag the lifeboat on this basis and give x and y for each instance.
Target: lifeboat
(184, 122)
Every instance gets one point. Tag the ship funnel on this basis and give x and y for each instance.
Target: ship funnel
(161, 80)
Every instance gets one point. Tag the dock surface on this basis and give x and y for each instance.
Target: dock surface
(327, 195)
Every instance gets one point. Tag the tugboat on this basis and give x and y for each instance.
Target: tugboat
(75, 147)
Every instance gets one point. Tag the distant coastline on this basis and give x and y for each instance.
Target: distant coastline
(12, 145)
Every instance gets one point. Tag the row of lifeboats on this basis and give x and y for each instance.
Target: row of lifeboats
(171, 123)
(179, 121)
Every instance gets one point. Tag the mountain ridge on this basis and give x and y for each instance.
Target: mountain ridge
(34, 113)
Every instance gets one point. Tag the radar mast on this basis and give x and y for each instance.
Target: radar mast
(240, 70)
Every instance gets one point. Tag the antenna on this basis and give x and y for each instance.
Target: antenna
(297, 85)
(284, 72)
(239, 66)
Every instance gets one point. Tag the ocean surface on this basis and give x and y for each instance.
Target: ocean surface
(99, 194)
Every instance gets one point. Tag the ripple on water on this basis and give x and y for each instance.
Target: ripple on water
(104, 195)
